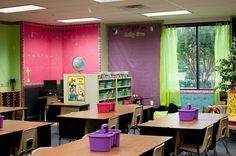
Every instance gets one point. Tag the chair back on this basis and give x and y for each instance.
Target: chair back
(67, 110)
(85, 136)
(113, 122)
(52, 99)
(137, 116)
(159, 114)
(222, 129)
(40, 149)
(28, 141)
(159, 150)
(207, 138)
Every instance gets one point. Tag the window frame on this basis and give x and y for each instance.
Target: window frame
(197, 25)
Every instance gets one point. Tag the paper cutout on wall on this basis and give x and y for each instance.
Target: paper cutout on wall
(27, 75)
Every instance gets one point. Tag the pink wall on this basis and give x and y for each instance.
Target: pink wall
(82, 41)
(48, 51)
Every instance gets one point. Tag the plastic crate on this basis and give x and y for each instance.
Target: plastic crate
(106, 106)
(103, 139)
(188, 114)
(1, 121)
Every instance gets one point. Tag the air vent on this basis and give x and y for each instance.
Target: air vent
(135, 6)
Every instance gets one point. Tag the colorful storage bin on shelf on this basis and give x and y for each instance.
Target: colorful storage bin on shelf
(106, 106)
(103, 139)
(108, 84)
(188, 114)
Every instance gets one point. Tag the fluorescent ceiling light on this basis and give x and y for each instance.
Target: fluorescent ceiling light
(20, 8)
(78, 20)
(181, 12)
(106, 1)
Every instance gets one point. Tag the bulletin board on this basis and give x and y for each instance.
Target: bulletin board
(232, 103)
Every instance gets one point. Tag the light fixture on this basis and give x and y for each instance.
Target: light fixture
(107, 1)
(152, 27)
(78, 20)
(168, 13)
(20, 8)
(115, 30)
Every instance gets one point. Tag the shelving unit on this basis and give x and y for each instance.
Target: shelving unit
(107, 89)
(124, 90)
(11, 98)
(98, 88)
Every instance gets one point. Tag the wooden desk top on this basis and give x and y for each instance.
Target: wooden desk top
(129, 145)
(68, 104)
(93, 113)
(19, 125)
(4, 109)
(172, 121)
(232, 118)
(195, 124)
(2, 132)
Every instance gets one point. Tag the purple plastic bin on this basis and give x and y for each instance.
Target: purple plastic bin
(188, 114)
(1, 121)
(103, 139)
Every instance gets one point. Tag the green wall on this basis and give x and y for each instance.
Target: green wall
(9, 56)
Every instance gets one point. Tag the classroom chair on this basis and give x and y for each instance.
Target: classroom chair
(204, 147)
(159, 150)
(137, 118)
(67, 110)
(159, 114)
(40, 149)
(221, 133)
(85, 136)
(50, 99)
(113, 123)
(28, 142)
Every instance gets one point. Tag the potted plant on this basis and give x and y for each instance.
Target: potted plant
(227, 70)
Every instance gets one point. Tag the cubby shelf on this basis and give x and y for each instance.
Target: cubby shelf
(10, 98)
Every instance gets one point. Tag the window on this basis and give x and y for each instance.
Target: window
(196, 57)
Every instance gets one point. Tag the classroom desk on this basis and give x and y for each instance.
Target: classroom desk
(172, 126)
(9, 112)
(55, 109)
(76, 124)
(129, 145)
(10, 133)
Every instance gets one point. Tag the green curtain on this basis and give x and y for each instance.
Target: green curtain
(222, 48)
(169, 80)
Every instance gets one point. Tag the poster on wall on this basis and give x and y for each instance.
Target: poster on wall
(76, 88)
(232, 103)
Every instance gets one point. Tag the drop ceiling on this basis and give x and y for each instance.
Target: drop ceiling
(119, 12)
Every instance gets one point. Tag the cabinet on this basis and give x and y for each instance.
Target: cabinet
(94, 88)
(11, 98)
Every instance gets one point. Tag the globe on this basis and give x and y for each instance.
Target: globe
(78, 63)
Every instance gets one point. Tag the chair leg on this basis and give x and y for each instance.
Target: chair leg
(215, 151)
(227, 150)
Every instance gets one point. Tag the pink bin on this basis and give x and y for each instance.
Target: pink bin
(106, 106)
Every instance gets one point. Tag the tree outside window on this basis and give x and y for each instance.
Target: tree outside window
(196, 57)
